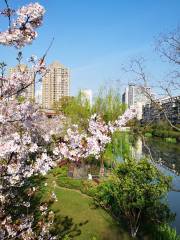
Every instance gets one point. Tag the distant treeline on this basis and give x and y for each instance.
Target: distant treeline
(163, 130)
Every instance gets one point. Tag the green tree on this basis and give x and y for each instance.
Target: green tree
(136, 192)
(108, 104)
(76, 109)
(119, 147)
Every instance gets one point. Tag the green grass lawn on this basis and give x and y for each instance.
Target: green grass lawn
(87, 220)
(79, 218)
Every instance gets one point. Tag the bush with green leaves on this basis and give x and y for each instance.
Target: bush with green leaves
(148, 134)
(83, 185)
(161, 129)
(165, 232)
(136, 193)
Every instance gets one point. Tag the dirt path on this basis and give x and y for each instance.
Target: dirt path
(65, 188)
(75, 190)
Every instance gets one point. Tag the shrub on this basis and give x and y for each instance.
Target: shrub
(136, 192)
(165, 232)
(166, 134)
(71, 183)
(85, 186)
(171, 140)
(59, 171)
(148, 134)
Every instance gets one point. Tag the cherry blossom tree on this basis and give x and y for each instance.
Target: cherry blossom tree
(23, 142)
(29, 142)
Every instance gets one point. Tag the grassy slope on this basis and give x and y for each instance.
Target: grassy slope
(91, 221)
(80, 218)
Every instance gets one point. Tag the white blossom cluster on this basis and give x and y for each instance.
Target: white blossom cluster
(78, 145)
(22, 30)
(16, 82)
(129, 114)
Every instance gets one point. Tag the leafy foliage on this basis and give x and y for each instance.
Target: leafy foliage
(165, 232)
(136, 192)
(83, 185)
(108, 104)
(77, 109)
(118, 147)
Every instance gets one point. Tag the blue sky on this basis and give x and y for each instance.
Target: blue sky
(95, 37)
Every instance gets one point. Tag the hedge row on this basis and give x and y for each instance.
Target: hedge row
(164, 134)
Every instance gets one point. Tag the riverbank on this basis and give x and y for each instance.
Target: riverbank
(167, 135)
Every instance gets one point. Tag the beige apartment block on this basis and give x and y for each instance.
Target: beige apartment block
(29, 92)
(55, 84)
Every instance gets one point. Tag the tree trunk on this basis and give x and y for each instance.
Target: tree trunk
(134, 231)
(101, 172)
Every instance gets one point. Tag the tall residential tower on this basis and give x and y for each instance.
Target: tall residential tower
(137, 96)
(55, 84)
(29, 92)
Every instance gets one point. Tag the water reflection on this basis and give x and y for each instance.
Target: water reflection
(137, 150)
(166, 155)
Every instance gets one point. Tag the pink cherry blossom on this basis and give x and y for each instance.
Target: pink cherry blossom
(23, 29)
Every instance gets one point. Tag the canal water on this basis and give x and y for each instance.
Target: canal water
(167, 158)
(169, 155)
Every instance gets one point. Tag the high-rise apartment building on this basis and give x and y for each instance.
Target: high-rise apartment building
(138, 97)
(29, 92)
(138, 94)
(55, 84)
(163, 109)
